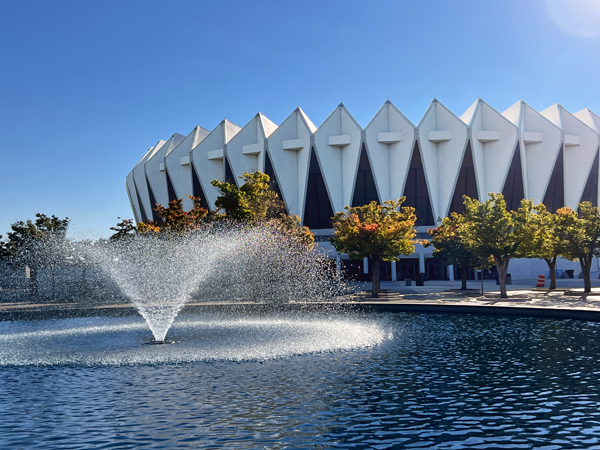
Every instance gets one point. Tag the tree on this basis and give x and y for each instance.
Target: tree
(449, 247)
(580, 237)
(253, 201)
(256, 202)
(547, 244)
(124, 229)
(379, 232)
(173, 220)
(5, 252)
(39, 244)
(292, 225)
(490, 231)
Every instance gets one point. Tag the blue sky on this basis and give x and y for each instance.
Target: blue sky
(86, 87)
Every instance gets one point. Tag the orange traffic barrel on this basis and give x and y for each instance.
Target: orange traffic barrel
(541, 281)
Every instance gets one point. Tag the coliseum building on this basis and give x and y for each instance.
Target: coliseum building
(550, 156)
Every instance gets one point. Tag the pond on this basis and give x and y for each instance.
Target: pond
(294, 380)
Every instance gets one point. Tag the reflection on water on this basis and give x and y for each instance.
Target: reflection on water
(435, 381)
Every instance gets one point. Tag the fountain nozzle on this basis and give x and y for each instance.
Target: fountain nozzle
(155, 342)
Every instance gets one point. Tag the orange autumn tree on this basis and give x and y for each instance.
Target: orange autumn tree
(374, 231)
(173, 220)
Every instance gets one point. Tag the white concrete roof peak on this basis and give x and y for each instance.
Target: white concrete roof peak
(590, 118)
(338, 110)
(191, 141)
(350, 115)
(468, 116)
(483, 105)
(311, 126)
(229, 129)
(513, 113)
(175, 140)
(267, 125)
(553, 114)
(156, 148)
(588, 125)
(148, 152)
(433, 103)
(389, 104)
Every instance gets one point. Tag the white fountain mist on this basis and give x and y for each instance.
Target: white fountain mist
(224, 263)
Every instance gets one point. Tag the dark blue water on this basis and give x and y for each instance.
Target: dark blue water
(439, 381)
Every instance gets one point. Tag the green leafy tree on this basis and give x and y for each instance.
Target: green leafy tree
(547, 244)
(490, 231)
(379, 232)
(253, 201)
(256, 202)
(292, 225)
(449, 247)
(124, 229)
(39, 244)
(5, 252)
(580, 236)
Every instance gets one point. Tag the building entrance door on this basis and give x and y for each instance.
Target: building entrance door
(408, 268)
(435, 270)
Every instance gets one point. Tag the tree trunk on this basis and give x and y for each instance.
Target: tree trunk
(586, 266)
(53, 283)
(375, 261)
(482, 261)
(463, 276)
(33, 280)
(502, 266)
(552, 266)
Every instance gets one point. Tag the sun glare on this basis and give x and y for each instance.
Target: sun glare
(576, 17)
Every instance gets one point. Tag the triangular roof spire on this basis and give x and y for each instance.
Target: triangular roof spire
(553, 114)
(590, 118)
(469, 114)
(311, 126)
(513, 112)
(267, 125)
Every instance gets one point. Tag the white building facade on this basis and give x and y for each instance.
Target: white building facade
(550, 156)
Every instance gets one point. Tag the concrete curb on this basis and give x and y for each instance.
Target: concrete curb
(45, 312)
(556, 313)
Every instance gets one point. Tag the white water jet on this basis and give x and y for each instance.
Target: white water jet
(228, 263)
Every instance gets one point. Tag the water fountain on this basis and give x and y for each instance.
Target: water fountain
(225, 263)
(247, 283)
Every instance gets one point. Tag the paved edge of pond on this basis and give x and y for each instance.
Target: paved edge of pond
(497, 306)
(591, 314)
